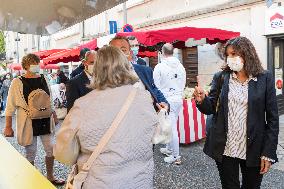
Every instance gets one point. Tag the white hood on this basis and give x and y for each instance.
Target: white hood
(170, 78)
(172, 61)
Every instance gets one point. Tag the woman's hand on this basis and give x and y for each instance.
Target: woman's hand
(162, 105)
(199, 94)
(264, 166)
(8, 132)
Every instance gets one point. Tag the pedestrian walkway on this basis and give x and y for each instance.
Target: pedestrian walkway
(197, 170)
(280, 148)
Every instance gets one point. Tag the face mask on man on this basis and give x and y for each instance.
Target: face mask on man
(135, 50)
(235, 63)
(34, 69)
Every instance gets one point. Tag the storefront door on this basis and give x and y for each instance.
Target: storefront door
(190, 63)
(278, 64)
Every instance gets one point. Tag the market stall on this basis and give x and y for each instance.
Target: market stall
(15, 66)
(69, 55)
(180, 37)
(45, 53)
(191, 123)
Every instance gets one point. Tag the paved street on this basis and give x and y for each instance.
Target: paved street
(197, 171)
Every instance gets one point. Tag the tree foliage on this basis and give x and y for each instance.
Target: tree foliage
(2, 42)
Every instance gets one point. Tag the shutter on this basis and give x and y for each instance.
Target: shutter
(190, 63)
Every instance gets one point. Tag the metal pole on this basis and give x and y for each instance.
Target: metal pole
(38, 42)
(17, 41)
(124, 13)
(83, 30)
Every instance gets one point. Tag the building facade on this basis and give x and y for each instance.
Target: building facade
(254, 19)
(263, 25)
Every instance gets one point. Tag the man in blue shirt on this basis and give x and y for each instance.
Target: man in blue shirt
(144, 73)
(134, 44)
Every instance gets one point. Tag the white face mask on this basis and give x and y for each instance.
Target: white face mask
(135, 50)
(34, 69)
(235, 63)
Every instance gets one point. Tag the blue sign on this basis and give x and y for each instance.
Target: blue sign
(127, 28)
(269, 3)
(112, 27)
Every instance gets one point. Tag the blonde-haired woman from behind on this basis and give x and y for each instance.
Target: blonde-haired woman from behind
(127, 159)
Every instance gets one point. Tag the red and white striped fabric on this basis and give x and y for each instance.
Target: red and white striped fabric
(191, 123)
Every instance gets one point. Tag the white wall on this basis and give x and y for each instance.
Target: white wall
(67, 42)
(208, 63)
(155, 9)
(27, 44)
(248, 20)
(67, 37)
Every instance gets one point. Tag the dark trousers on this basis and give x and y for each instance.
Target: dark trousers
(229, 174)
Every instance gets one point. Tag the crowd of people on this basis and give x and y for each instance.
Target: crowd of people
(5, 82)
(111, 103)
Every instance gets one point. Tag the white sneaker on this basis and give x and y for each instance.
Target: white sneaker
(166, 151)
(172, 159)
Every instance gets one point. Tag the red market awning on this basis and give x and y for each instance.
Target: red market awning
(67, 55)
(143, 54)
(45, 53)
(152, 38)
(15, 66)
(93, 45)
(49, 66)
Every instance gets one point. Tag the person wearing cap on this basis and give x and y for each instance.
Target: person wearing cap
(77, 86)
(81, 67)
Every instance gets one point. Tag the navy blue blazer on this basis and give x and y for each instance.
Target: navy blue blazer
(145, 74)
(76, 88)
(262, 119)
(77, 71)
(140, 61)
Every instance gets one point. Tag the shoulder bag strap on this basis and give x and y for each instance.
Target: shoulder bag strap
(220, 82)
(106, 137)
(219, 88)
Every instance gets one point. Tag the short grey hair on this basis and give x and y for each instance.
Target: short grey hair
(168, 49)
(88, 53)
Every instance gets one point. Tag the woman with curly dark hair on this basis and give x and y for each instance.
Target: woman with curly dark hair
(245, 126)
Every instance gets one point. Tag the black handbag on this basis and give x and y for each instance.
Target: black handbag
(212, 140)
(209, 120)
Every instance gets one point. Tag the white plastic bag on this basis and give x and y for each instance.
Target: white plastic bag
(163, 133)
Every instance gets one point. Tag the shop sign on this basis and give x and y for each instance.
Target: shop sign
(274, 21)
